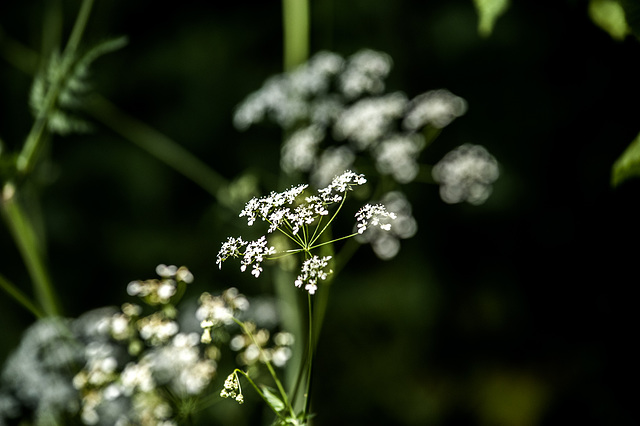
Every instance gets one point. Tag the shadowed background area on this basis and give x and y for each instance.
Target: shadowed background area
(514, 312)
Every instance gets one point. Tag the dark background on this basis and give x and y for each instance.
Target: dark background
(516, 312)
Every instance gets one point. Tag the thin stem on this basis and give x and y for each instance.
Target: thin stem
(257, 389)
(344, 197)
(24, 235)
(333, 241)
(158, 145)
(33, 142)
(272, 371)
(20, 297)
(311, 343)
(78, 28)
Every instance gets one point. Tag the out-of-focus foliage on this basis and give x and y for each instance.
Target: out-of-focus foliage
(609, 15)
(488, 13)
(628, 165)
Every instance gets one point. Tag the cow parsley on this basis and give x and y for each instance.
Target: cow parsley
(302, 219)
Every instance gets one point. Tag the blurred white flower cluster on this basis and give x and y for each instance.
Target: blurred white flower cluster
(337, 116)
(340, 103)
(160, 359)
(129, 366)
(466, 174)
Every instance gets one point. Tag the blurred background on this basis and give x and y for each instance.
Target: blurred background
(516, 312)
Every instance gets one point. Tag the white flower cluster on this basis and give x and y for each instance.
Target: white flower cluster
(232, 388)
(159, 357)
(253, 349)
(311, 271)
(159, 292)
(289, 214)
(466, 174)
(374, 215)
(342, 101)
(217, 311)
(252, 252)
(386, 244)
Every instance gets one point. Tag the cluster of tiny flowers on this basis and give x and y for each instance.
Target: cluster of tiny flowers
(252, 253)
(374, 215)
(160, 291)
(311, 271)
(342, 101)
(158, 356)
(257, 345)
(386, 244)
(218, 311)
(466, 174)
(286, 212)
(232, 388)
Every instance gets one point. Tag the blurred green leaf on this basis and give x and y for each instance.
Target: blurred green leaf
(271, 399)
(488, 12)
(628, 164)
(632, 15)
(610, 16)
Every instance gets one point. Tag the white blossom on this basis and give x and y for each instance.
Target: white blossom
(386, 244)
(436, 107)
(369, 119)
(398, 156)
(466, 174)
(299, 151)
(333, 160)
(364, 73)
(311, 271)
(374, 215)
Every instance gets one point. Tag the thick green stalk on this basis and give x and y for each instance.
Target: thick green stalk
(29, 246)
(295, 18)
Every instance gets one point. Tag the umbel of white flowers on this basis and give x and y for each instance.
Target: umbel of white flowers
(335, 109)
(303, 220)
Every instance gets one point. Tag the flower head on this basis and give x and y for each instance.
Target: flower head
(232, 388)
(374, 215)
(312, 270)
(466, 174)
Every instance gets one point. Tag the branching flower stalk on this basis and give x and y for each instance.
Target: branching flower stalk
(304, 221)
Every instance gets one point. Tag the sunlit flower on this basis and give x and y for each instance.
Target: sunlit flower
(374, 215)
(311, 271)
(232, 388)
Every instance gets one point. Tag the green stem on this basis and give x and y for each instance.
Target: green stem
(344, 197)
(272, 371)
(78, 28)
(158, 145)
(27, 157)
(295, 19)
(259, 392)
(311, 342)
(23, 233)
(20, 297)
(333, 241)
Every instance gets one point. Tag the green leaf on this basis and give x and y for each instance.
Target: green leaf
(610, 16)
(488, 12)
(628, 165)
(632, 15)
(272, 399)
